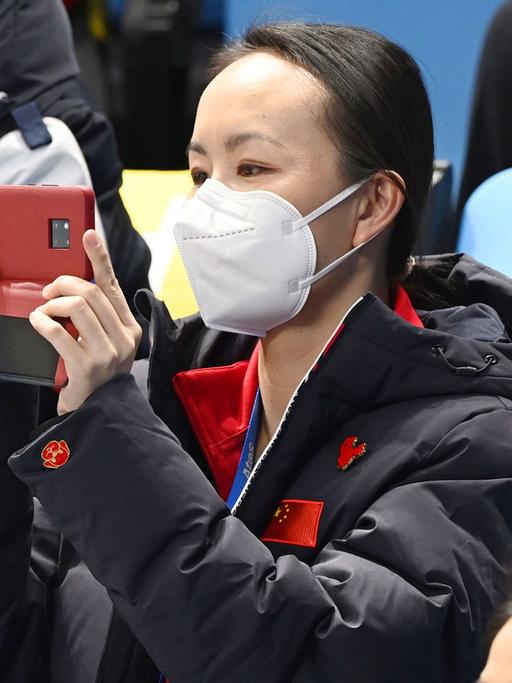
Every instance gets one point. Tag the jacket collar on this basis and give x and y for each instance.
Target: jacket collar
(218, 401)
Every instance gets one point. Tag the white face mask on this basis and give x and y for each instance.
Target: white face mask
(250, 256)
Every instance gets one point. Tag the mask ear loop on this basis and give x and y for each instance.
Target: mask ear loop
(291, 226)
(330, 204)
(302, 284)
(325, 271)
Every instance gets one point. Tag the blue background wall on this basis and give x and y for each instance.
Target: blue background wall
(444, 36)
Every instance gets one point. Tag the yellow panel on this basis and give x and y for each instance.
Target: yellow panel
(146, 195)
(176, 291)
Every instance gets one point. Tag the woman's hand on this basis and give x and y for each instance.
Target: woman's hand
(108, 333)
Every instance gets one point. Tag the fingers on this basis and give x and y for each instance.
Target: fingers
(70, 286)
(105, 277)
(85, 371)
(57, 336)
(103, 300)
(106, 284)
(119, 347)
(93, 338)
(109, 333)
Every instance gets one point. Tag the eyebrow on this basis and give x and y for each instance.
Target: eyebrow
(234, 141)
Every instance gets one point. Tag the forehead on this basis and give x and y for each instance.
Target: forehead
(262, 90)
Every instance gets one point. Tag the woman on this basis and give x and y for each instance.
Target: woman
(363, 449)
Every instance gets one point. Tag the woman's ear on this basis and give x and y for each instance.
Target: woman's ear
(379, 205)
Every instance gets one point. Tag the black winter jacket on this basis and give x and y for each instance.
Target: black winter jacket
(411, 541)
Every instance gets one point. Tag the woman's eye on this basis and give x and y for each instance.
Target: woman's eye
(198, 177)
(248, 170)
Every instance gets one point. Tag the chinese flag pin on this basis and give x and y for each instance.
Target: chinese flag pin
(55, 454)
(350, 451)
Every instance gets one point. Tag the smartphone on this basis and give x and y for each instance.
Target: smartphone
(41, 228)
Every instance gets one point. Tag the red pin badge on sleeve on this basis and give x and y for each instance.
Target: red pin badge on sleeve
(55, 454)
(350, 451)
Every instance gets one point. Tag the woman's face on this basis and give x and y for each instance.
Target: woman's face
(258, 127)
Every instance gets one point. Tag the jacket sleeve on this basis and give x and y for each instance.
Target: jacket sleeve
(398, 599)
(22, 596)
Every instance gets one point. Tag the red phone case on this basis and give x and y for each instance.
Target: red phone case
(28, 261)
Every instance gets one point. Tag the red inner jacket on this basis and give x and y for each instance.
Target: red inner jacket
(218, 402)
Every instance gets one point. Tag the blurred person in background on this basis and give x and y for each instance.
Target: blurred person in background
(146, 61)
(489, 147)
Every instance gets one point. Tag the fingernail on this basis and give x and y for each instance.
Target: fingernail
(92, 239)
(35, 316)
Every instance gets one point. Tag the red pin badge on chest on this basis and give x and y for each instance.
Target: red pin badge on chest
(55, 454)
(350, 451)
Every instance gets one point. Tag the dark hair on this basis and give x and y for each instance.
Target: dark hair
(377, 108)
